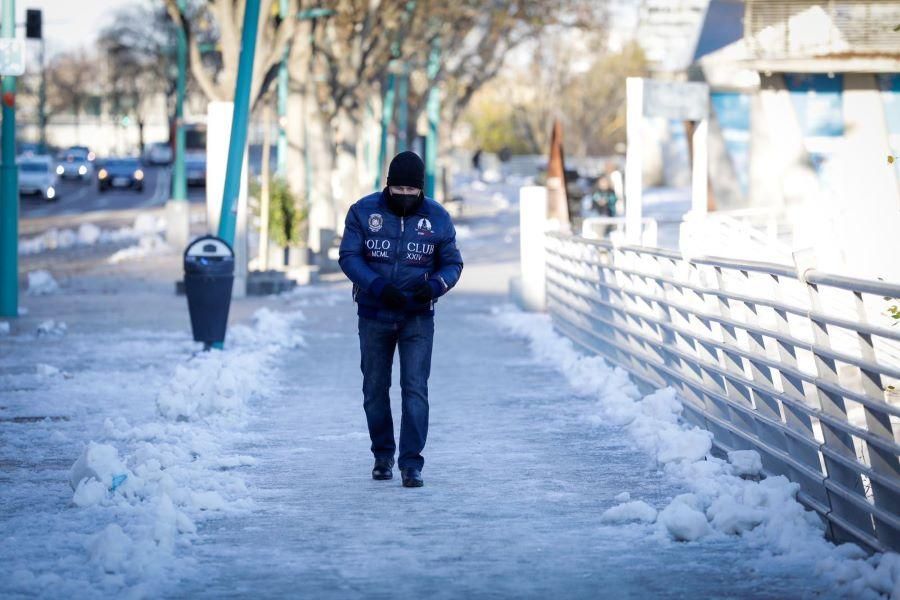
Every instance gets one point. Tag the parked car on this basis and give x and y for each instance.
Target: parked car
(123, 173)
(158, 153)
(37, 176)
(195, 168)
(74, 163)
(29, 149)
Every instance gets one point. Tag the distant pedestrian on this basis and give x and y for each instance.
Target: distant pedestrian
(476, 161)
(601, 202)
(399, 250)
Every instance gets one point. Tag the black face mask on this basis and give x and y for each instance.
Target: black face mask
(404, 204)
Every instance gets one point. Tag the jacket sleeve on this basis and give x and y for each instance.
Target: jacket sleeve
(352, 257)
(450, 265)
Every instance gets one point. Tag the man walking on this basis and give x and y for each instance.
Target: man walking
(399, 250)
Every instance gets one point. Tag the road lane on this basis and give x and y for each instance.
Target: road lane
(79, 197)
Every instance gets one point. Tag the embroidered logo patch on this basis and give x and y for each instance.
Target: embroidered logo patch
(423, 226)
(376, 221)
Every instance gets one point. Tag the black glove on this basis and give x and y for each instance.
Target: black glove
(424, 293)
(392, 297)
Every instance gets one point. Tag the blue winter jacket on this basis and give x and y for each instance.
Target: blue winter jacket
(379, 247)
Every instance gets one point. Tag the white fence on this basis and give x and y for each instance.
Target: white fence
(802, 369)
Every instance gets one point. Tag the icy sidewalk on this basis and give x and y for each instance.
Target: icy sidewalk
(519, 471)
(104, 362)
(247, 471)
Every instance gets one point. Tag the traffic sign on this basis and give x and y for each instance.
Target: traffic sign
(12, 57)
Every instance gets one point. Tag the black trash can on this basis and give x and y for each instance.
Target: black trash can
(208, 279)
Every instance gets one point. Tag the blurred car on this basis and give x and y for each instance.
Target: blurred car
(74, 163)
(37, 176)
(83, 150)
(158, 153)
(125, 173)
(195, 168)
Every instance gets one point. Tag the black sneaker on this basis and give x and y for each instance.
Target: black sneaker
(382, 469)
(412, 477)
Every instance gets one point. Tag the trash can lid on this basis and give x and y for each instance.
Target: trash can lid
(208, 246)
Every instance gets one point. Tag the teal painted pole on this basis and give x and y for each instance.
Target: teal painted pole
(403, 111)
(281, 108)
(387, 115)
(238, 139)
(434, 117)
(9, 184)
(179, 181)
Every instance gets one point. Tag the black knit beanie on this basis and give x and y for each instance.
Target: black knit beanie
(407, 169)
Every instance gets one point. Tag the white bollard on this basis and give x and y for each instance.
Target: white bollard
(218, 136)
(532, 255)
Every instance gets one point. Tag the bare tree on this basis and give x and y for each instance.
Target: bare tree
(72, 85)
(213, 30)
(139, 48)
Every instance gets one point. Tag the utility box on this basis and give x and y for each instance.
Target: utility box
(208, 279)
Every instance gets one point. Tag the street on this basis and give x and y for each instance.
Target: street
(78, 197)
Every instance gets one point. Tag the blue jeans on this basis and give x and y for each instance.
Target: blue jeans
(377, 340)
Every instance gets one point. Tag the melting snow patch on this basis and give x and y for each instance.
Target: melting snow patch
(623, 497)
(636, 510)
(149, 245)
(51, 327)
(41, 283)
(726, 497)
(89, 234)
(45, 370)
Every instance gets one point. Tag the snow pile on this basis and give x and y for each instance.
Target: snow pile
(89, 234)
(97, 471)
(280, 330)
(684, 519)
(725, 497)
(746, 463)
(157, 479)
(41, 283)
(148, 245)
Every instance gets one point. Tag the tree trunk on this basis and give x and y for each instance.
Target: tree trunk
(345, 181)
(263, 259)
(320, 170)
(294, 165)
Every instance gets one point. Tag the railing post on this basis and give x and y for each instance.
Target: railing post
(878, 423)
(795, 419)
(837, 441)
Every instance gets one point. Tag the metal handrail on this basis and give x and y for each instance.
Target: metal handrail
(867, 328)
(884, 443)
(852, 284)
(784, 338)
(851, 476)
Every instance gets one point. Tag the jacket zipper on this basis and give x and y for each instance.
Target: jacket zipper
(397, 259)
